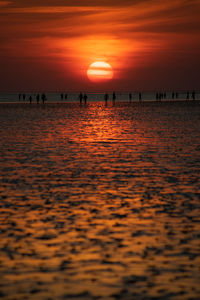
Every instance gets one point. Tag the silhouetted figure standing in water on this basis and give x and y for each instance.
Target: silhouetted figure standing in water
(193, 95)
(30, 99)
(38, 98)
(80, 98)
(65, 96)
(130, 97)
(43, 98)
(85, 98)
(61, 96)
(106, 98)
(113, 97)
(188, 96)
(140, 97)
(172, 95)
(24, 97)
(19, 96)
(156, 96)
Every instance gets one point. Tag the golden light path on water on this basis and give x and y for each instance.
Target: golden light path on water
(99, 201)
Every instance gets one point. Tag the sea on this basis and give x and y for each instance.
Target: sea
(99, 201)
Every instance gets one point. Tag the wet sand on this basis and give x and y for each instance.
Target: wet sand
(100, 202)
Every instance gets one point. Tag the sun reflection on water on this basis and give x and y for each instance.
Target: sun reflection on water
(94, 204)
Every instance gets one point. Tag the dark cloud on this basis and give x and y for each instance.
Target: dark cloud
(98, 3)
(30, 3)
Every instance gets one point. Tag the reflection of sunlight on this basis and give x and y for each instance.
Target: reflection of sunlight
(106, 126)
(102, 127)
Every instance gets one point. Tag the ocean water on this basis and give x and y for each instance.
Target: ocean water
(100, 202)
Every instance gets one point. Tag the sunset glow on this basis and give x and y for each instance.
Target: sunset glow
(149, 44)
(99, 143)
(99, 71)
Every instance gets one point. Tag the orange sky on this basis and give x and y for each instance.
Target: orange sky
(150, 45)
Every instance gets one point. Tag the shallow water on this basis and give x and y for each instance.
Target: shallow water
(100, 202)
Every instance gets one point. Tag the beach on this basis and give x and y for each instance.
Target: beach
(100, 202)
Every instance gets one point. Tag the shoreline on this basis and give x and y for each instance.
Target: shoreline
(103, 101)
(69, 97)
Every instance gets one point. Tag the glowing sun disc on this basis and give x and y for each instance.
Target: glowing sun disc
(100, 71)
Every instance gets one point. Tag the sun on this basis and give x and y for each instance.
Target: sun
(100, 71)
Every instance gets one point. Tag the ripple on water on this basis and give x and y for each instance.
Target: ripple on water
(100, 202)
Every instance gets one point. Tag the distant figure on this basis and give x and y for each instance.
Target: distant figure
(193, 95)
(113, 97)
(157, 96)
(61, 96)
(65, 96)
(24, 97)
(30, 99)
(19, 97)
(81, 98)
(43, 98)
(38, 98)
(130, 97)
(165, 95)
(106, 98)
(188, 96)
(85, 98)
(140, 96)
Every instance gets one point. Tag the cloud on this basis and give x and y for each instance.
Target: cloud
(75, 3)
(49, 9)
(101, 3)
(129, 33)
(140, 18)
(5, 3)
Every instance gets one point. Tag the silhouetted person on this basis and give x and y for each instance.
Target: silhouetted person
(65, 96)
(113, 97)
(193, 95)
(38, 98)
(61, 96)
(43, 98)
(165, 95)
(188, 96)
(130, 97)
(157, 96)
(85, 98)
(19, 96)
(106, 98)
(140, 96)
(30, 99)
(173, 95)
(81, 98)
(24, 97)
